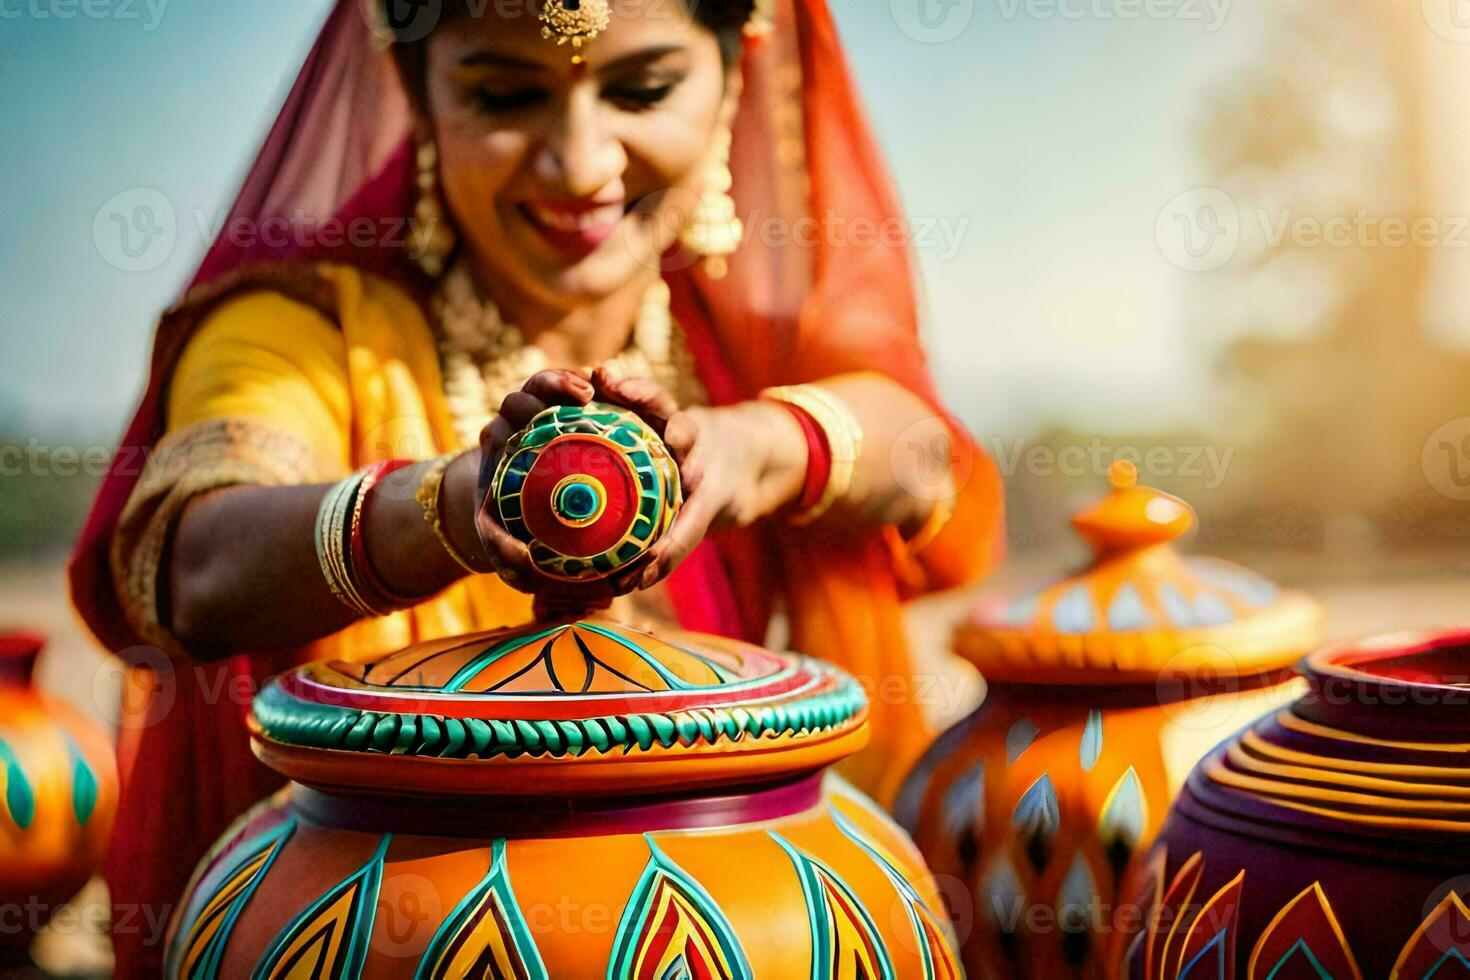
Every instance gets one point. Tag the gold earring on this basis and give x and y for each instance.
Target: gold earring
(714, 230)
(431, 238)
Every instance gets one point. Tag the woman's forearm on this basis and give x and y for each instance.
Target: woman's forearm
(243, 572)
(905, 448)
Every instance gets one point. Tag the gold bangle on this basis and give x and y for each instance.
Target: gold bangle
(331, 542)
(428, 497)
(844, 441)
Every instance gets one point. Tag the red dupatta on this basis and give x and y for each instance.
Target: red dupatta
(340, 150)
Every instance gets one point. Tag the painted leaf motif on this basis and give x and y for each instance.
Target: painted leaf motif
(486, 934)
(1304, 939)
(20, 798)
(1208, 950)
(1173, 906)
(329, 939)
(935, 953)
(83, 784)
(845, 941)
(1124, 813)
(1092, 740)
(198, 956)
(1440, 947)
(672, 929)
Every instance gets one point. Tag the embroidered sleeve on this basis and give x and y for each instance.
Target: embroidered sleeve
(258, 397)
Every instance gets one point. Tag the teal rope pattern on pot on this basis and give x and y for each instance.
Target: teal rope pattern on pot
(286, 719)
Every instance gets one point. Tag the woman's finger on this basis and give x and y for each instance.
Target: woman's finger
(681, 433)
(510, 557)
(643, 396)
(520, 407)
(559, 386)
(689, 528)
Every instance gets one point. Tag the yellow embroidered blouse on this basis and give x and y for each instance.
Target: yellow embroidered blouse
(270, 391)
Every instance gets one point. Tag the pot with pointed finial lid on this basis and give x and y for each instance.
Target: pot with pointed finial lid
(573, 798)
(1103, 690)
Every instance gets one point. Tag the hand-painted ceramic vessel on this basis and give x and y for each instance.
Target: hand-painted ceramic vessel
(58, 795)
(1328, 839)
(573, 799)
(1104, 689)
(588, 488)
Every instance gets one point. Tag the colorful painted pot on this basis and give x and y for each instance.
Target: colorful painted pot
(573, 799)
(1331, 838)
(576, 800)
(58, 796)
(1104, 689)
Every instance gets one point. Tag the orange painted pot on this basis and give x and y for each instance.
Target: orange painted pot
(58, 797)
(575, 799)
(1104, 689)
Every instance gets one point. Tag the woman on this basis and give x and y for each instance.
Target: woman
(564, 170)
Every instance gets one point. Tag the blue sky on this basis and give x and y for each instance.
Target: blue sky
(1043, 139)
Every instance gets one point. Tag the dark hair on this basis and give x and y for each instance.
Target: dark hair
(726, 19)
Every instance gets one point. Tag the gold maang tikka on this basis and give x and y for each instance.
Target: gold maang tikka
(574, 21)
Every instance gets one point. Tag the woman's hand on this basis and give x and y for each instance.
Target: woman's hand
(737, 464)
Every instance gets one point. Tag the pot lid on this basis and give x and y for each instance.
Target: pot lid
(583, 706)
(1139, 609)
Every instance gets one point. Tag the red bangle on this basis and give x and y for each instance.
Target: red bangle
(818, 457)
(366, 577)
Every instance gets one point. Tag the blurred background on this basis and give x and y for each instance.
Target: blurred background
(1226, 239)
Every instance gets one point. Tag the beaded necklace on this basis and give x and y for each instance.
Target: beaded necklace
(484, 358)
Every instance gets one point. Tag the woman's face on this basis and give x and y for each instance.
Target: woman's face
(567, 182)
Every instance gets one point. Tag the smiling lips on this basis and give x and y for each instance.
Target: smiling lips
(575, 228)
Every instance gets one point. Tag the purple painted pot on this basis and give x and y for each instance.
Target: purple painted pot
(1331, 838)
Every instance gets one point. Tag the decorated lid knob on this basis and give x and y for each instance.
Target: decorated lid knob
(1133, 516)
(588, 488)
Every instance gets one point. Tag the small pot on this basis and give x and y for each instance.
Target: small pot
(1103, 690)
(58, 797)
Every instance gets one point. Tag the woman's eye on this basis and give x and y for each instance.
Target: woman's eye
(639, 96)
(509, 100)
